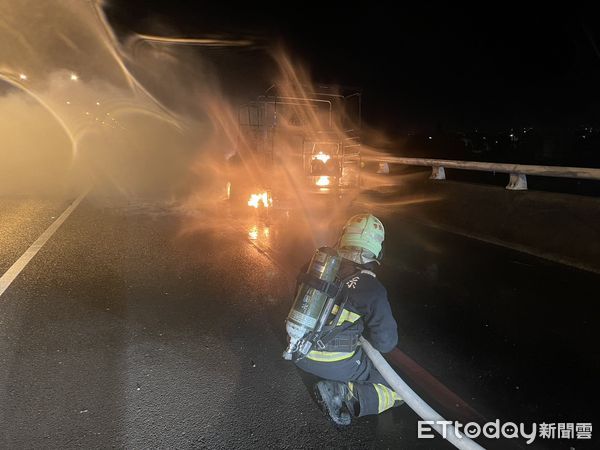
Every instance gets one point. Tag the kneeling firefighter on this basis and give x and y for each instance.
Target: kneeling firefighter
(339, 299)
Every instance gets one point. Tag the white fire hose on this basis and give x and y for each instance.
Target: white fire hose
(416, 403)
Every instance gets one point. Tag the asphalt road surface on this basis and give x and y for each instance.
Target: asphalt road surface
(147, 326)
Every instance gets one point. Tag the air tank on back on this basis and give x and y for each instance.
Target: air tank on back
(309, 301)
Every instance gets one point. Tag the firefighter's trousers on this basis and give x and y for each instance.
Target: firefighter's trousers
(363, 379)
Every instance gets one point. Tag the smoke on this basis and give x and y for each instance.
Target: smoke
(77, 107)
(147, 118)
(27, 165)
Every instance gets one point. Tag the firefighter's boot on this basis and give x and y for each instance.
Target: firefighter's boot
(331, 397)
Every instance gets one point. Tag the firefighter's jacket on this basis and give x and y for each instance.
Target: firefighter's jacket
(366, 312)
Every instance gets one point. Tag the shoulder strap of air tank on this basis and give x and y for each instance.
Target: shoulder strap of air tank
(331, 289)
(329, 331)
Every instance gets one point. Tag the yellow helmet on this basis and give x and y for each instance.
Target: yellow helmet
(364, 231)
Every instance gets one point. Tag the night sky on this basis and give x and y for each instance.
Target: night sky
(420, 67)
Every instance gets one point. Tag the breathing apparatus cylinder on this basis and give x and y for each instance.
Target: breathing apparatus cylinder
(313, 302)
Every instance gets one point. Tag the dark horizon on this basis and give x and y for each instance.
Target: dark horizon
(423, 68)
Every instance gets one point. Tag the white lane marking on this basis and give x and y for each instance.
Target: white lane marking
(14, 270)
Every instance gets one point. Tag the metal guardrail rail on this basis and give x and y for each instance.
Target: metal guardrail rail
(518, 172)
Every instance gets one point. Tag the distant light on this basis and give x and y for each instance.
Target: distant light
(68, 102)
(23, 77)
(430, 137)
(97, 103)
(74, 77)
(87, 113)
(512, 135)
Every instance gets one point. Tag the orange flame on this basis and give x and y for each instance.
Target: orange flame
(322, 157)
(322, 181)
(262, 199)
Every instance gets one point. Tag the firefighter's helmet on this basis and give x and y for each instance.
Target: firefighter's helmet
(364, 231)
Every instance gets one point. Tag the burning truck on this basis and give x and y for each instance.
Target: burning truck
(297, 141)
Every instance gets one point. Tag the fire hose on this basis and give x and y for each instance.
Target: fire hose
(416, 403)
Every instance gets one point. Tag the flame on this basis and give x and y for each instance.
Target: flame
(324, 157)
(322, 181)
(262, 199)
